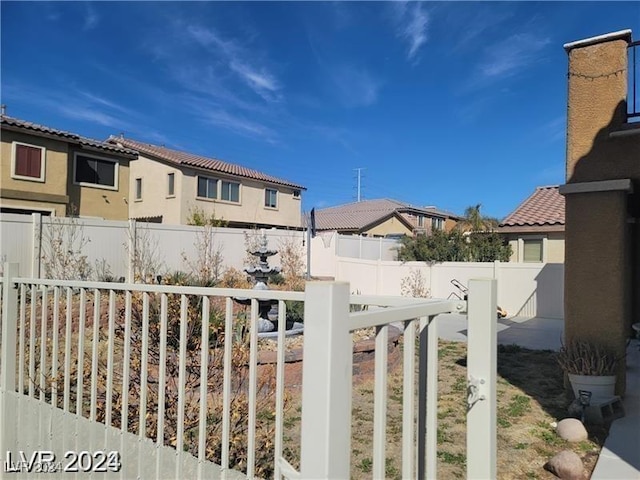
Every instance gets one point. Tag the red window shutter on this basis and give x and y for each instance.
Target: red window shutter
(22, 160)
(28, 161)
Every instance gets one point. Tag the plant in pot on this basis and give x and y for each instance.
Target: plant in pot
(591, 367)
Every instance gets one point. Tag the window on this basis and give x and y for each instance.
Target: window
(138, 189)
(532, 250)
(420, 221)
(96, 171)
(28, 162)
(436, 224)
(230, 191)
(171, 184)
(270, 198)
(296, 194)
(207, 187)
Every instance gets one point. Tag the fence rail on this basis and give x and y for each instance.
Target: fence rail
(158, 374)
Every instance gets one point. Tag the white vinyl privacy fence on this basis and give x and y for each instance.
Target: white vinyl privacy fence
(524, 289)
(111, 246)
(146, 380)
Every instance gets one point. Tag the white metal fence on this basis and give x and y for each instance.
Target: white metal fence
(108, 367)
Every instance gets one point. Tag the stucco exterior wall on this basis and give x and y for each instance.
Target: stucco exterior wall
(602, 263)
(177, 209)
(155, 198)
(56, 165)
(392, 225)
(553, 246)
(94, 201)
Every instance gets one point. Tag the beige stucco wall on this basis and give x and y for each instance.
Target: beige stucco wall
(391, 225)
(93, 201)
(177, 210)
(155, 199)
(553, 246)
(56, 164)
(601, 282)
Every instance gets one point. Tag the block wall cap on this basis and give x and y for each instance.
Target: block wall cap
(607, 37)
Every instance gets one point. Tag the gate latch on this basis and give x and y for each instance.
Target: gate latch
(475, 391)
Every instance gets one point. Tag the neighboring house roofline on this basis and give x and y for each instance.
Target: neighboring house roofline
(197, 162)
(30, 128)
(543, 208)
(363, 215)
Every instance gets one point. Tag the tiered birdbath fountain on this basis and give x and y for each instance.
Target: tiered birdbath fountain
(267, 321)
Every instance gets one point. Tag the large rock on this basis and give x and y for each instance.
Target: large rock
(566, 465)
(571, 430)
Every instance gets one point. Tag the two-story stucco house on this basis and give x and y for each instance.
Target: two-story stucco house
(167, 186)
(54, 172)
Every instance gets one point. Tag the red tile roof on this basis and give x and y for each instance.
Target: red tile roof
(545, 207)
(191, 160)
(17, 124)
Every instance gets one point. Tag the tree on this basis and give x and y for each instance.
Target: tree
(474, 221)
(455, 246)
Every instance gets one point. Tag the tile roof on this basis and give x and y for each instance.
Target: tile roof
(6, 121)
(545, 207)
(358, 215)
(191, 160)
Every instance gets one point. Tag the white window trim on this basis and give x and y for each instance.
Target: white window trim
(116, 174)
(43, 158)
(545, 245)
(137, 198)
(173, 195)
(218, 197)
(230, 202)
(268, 207)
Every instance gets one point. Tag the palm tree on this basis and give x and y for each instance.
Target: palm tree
(474, 221)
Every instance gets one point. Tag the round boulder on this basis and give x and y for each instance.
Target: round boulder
(566, 465)
(571, 430)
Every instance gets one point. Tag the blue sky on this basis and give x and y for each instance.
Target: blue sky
(447, 104)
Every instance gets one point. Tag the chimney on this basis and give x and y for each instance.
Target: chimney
(3, 109)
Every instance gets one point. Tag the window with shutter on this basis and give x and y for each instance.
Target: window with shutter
(28, 162)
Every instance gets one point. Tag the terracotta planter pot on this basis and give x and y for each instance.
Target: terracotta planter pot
(601, 387)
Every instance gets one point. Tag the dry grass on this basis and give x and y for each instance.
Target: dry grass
(530, 396)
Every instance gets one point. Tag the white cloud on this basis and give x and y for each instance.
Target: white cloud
(356, 87)
(412, 23)
(91, 17)
(238, 60)
(512, 55)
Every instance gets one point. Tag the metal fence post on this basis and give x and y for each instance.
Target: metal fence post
(8, 336)
(481, 379)
(326, 382)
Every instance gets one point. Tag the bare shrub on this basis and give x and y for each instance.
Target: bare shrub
(234, 278)
(147, 257)
(63, 242)
(414, 285)
(207, 266)
(292, 263)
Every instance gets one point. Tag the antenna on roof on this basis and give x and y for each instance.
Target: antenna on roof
(359, 185)
(3, 109)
